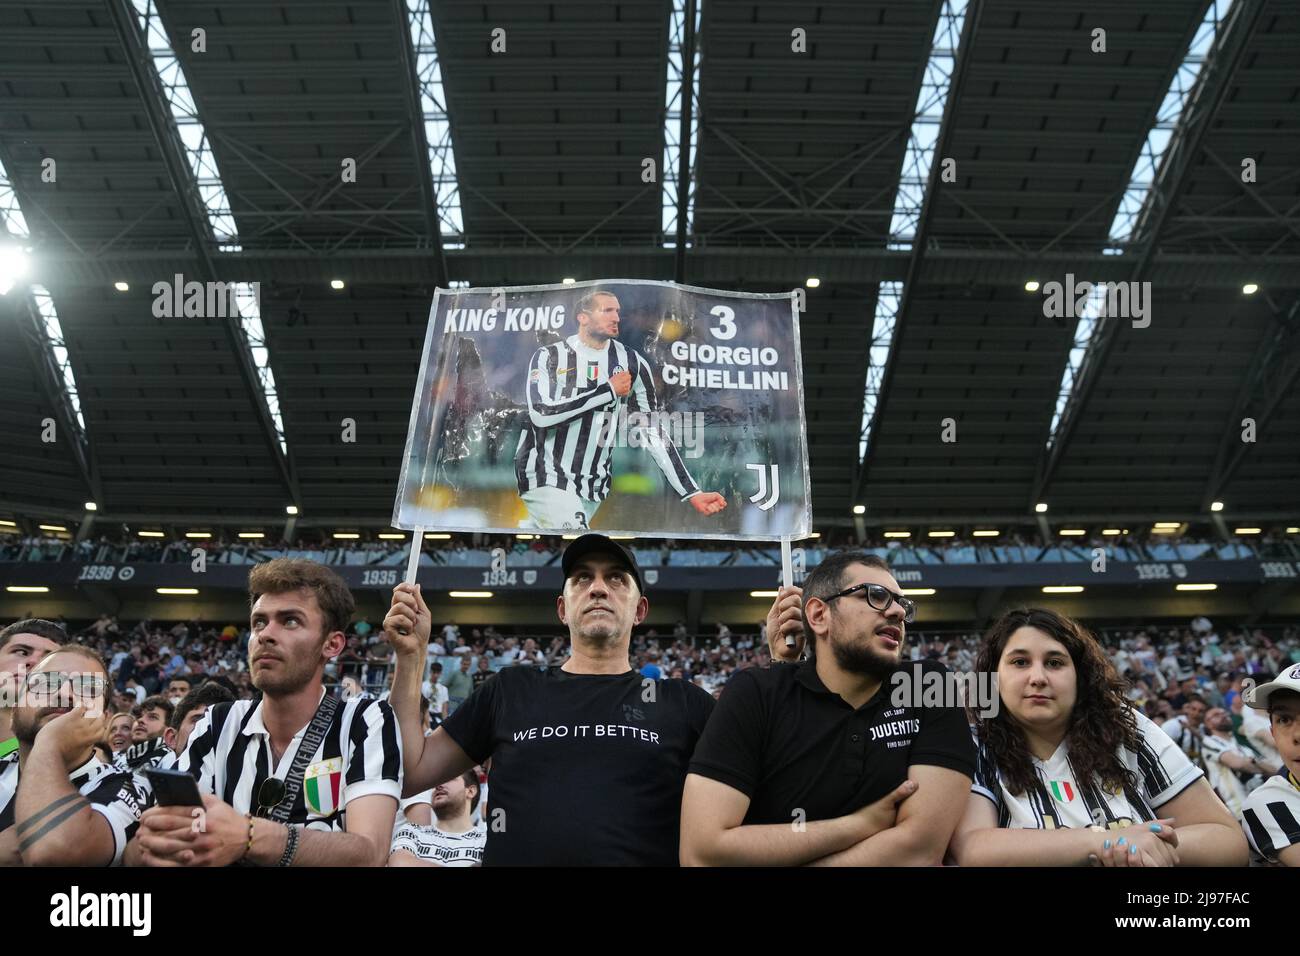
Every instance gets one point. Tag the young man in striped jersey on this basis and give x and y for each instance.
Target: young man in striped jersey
(263, 802)
(576, 391)
(1272, 815)
(60, 804)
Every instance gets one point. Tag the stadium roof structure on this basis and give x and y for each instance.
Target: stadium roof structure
(492, 166)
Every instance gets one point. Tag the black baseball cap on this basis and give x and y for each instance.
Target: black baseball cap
(589, 543)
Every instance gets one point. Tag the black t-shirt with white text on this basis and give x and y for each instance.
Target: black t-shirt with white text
(587, 769)
(793, 746)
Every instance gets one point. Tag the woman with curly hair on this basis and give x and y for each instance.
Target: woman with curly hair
(1069, 773)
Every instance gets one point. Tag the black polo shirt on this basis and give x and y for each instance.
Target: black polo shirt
(780, 737)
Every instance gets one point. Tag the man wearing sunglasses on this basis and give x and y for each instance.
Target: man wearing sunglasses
(815, 762)
(60, 804)
(297, 778)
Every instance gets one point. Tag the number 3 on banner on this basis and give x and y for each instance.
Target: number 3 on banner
(727, 319)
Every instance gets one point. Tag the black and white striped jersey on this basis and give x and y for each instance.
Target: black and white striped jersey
(1271, 817)
(229, 754)
(1058, 798)
(111, 793)
(573, 420)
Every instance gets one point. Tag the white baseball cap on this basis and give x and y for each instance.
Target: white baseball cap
(1289, 679)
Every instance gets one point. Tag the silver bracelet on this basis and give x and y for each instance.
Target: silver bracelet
(290, 844)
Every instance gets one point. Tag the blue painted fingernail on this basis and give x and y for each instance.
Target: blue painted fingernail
(1156, 828)
(1121, 842)
(1106, 845)
(1133, 848)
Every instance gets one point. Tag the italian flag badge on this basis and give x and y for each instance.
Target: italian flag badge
(322, 786)
(1062, 791)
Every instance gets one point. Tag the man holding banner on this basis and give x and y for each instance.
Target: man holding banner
(588, 759)
(576, 390)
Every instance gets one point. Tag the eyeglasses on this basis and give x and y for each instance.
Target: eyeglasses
(269, 795)
(880, 597)
(44, 686)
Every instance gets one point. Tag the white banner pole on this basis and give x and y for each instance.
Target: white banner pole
(787, 577)
(413, 563)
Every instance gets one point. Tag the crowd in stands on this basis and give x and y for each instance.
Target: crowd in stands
(478, 550)
(1163, 665)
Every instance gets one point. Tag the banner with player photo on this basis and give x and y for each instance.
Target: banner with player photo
(626, 406)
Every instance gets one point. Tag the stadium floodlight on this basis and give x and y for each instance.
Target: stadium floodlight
(898, 534)
(1246, 530)
(337, 284)
(1063, 589)
(985, 533)
(1293, 530)
(919, 592)
(346, 535)
(942, 534)
(27, 589)
(568, 280)
(859, 509)
(177, 591)
(1216, 505)
(1109, 532)
(198, 535)
(1250, 288)
(6, 523)
(1072, 532)
(291, 509)
(392, 536)
(763, 594)
(52, 527)
(470, 594)
(121, 286)
(1196, 587)
(436, 536)
(1032, 285)
(1169, 524)
(151, 534)
(252, 534)
(812, 282)
(91, 506)
(1041, 507)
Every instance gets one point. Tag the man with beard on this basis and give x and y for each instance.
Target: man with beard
(60, 804)
(453, 839)
(149, 724)
(22, 644)
(297, 778)
(807, 763)
(587, 758)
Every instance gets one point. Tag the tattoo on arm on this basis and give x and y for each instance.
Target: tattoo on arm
(49, 808)
(53, 824)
